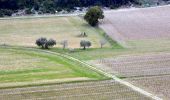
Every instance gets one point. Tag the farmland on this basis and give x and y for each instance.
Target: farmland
(139, 28)
(145, 35)
(137, 65)
(86, 90)
(156, 84)
(24, 32)
(26, 67)
(142, 56)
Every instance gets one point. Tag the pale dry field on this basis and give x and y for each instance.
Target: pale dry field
(158, 85)
(136, 65)
(100, 90)
(135, 26)
(24, 32)
(150, 72)
(12, 60)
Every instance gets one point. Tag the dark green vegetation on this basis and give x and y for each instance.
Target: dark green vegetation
(7, 7)
(44, 43)
(85, 44)
(93, 15)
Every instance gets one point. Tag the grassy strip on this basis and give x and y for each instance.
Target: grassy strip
(47, 84)
(113, 43)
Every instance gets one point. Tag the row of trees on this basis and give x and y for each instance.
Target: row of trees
(92, 17)
(50, 6)
(45, 44)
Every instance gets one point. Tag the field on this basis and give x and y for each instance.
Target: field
(20, 67)
(24, 32)
(139, 28)
(156, 84)
(142, 58)
(101, 90)
(145, 60)
(136, 65)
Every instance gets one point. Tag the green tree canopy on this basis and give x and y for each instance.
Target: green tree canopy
(85, 44)
(93, 15)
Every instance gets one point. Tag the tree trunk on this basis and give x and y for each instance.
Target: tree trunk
(84, 48)
(46, 46)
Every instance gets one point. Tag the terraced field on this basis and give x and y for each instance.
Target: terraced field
(101, 90)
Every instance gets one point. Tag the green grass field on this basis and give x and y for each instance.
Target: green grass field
(26, 67)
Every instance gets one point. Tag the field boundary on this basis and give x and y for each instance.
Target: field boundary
(112, 32)
(135, 88)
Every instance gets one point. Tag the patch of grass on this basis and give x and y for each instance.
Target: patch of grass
(53, 67)
(112, 43)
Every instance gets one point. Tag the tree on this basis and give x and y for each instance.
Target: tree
(64, 43)
(93, 15)
(44, 43)
(41, 42)
(50, 43)
(85, 44)
(102, 43)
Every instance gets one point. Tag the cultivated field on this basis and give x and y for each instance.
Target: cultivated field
(149, 72)
(139, 28)
(144, 30)
(146, 33)
(137, 66)
(100, 90)
(19, 67)
(24, 32)
(156, 84)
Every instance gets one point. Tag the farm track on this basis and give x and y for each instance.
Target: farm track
(122, 82)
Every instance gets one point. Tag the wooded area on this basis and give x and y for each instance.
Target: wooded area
(7, 7)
